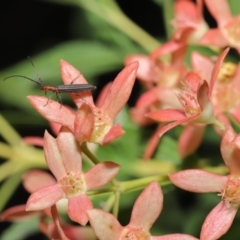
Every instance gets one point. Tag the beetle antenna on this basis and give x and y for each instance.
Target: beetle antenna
(23, 77)
(39, 79)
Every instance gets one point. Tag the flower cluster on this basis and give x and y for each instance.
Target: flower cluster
(176, 94)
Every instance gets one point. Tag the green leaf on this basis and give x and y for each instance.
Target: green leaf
(8, 187)
(8, 132)
(168, 150)
(21, 230)
(234, 6)
(104, 31)
(168, 15)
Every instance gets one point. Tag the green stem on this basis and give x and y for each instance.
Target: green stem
(8, 187)
(142, 183)
(89, 154)
(112, 14)
(8, 132)
(234, 121)
(109, 203)
(116, 204)
(168, 15)
(5, 150)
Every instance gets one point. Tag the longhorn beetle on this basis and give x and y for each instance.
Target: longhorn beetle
(69, 88)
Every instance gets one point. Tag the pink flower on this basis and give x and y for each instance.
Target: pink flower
(189, 26)
(226, 90)
(221, 217)
(197, 107)
(145, 212)
(90, 123)
(63, 157)
(32, 181)
(189, 23)
(154, 72)
(226, 33)
(161, 78)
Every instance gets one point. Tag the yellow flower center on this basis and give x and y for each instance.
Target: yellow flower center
(72, 184)
(226, 72)
(225, 93)
(102, 125)
(231, 192)
(189, 103)
(135, 234)
(232, 31)
(226, 97)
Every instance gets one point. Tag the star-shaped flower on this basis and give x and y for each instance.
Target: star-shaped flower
(197, 107)
(227, 33)
(145, 212)
(221, 217)
(32, 181)
(92, 123)
(63, 157)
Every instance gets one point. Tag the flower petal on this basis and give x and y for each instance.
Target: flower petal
(105, 225)
(147, 71)
(198, 181)
(216, 69)
(167, 115)
(84, 123)
(166, 48)
(53, 156)
(230, 151)
(186, 9)
(53, 111)
(17, 213)
(148, 204)
(220, 10)
(71, 75)
(214, 37)
(152, 144)
(71, 232)
(77, 207)
(55, 127)
(44, 197)
(203, 96)
(201, 65)
(176, 236)
(37, 141)
(35, 179)
(101, 174)
(190, 139)
(236, 111)
(115, 132)
(70, 151)
(172, 125)
(120, 90)
(102, 95)
(218, 221)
